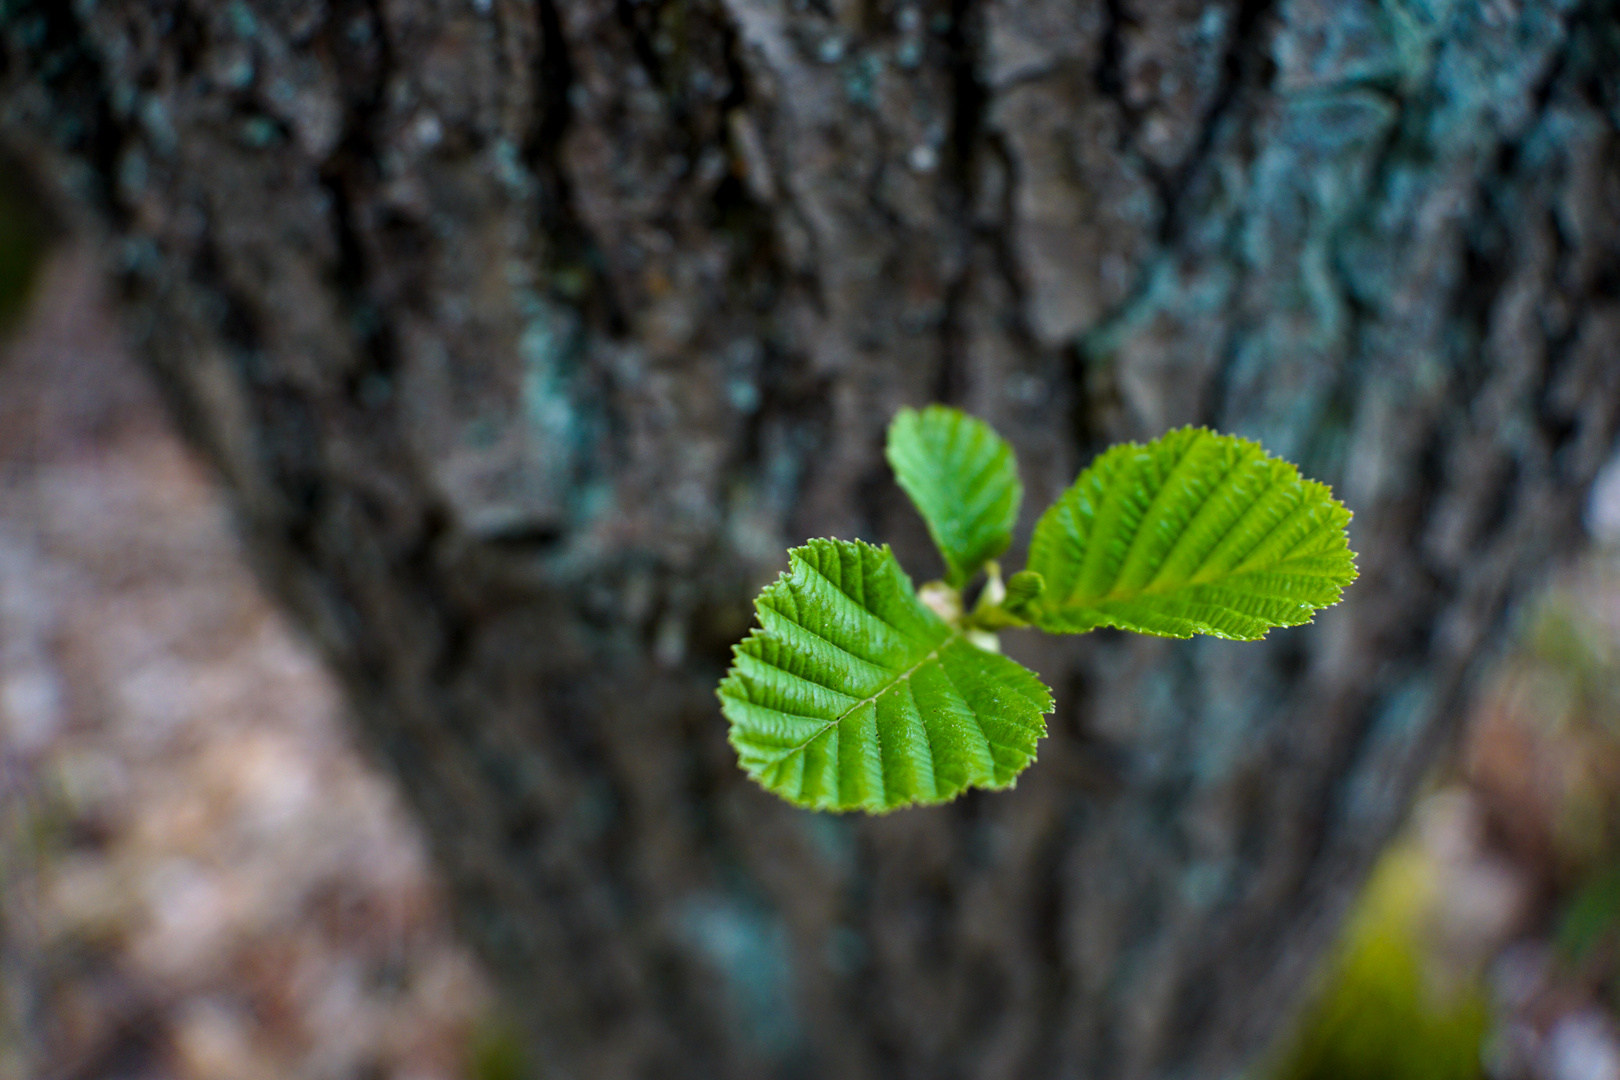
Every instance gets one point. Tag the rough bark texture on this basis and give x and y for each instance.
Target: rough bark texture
(528, 333)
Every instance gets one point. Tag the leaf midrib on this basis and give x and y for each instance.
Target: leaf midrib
(1117, 597)
(954, 635)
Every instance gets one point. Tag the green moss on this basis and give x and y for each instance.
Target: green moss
(498, 1052)
(1381, 1014)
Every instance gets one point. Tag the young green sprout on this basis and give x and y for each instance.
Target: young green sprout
(858, 692)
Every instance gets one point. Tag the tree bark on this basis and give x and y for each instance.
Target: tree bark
(528, 334)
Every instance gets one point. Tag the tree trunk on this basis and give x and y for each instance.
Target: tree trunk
(529, 333)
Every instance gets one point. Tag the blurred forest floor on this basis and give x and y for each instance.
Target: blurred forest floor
(201, 878)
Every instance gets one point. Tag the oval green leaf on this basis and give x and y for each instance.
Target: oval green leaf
(963, 479)
(852, 695)
(1193, 533)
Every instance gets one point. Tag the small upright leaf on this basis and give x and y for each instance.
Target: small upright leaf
(1194, 533)
(852, 695)
(964, 481)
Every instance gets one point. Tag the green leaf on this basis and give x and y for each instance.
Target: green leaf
(852, 695)
(1194, 533)
(964, 481)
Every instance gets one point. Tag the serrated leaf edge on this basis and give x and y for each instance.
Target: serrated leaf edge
(956, 634)
(1097, 617)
